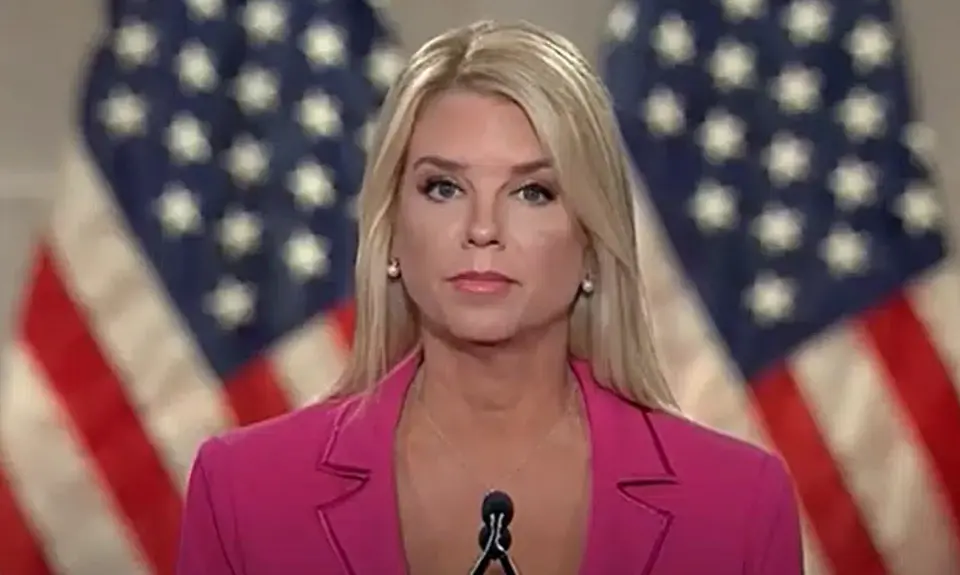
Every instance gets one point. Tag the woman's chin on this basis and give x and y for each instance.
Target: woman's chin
(482, 336)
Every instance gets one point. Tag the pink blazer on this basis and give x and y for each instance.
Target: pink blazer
(312, 493)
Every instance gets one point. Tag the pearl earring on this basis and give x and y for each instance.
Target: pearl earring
(586, 286)
(393, 268)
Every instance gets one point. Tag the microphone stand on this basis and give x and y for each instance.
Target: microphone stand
(495, 547)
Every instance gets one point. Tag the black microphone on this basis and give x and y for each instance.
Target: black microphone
(496, 513)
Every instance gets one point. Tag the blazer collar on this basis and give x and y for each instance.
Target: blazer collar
(628, 460)
(625, 530)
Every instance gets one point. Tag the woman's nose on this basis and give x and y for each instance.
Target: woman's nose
(483, 228)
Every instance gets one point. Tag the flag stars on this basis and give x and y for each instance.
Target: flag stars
(921, 139)
(240, 233)
(324, 45)
(771, 299)
(187, 139)
(862, 114)
(384, 66)
(257, 90)
(195, 68)
(135, 44)
(787, 159)
(622, 21)
(713, 207)
(797, 89)
(265, 21)
(845, 252)
(663, 112)
(870, 44)
(853, 183)
(673, 40)
(307, 256)
(807, 21)
(312, 185)
(739, 10)
(778, 229)
(919, 209)
(732, 65)
(232, 303)
(178, 211)
(364, 136)
(319, 115)
(123, 113)
(205, 9)
(248, 160)
(722, 136)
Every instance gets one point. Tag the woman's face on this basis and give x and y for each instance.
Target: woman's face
(487, 250)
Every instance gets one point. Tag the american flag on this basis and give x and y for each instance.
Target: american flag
(807, 298)
(196, 271)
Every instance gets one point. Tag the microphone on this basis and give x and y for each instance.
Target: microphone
(496, 513)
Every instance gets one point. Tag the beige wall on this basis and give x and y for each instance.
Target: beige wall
(40, 56)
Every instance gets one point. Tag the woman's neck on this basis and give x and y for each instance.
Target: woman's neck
(504, 388)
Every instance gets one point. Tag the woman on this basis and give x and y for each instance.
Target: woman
(501, 343)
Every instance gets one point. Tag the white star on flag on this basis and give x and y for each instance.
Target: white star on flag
(673, 40)
(187, 139)
(384, 66)
(807, 21)
(312, 185)
(919, 210)
(247, 160)
(722, 136)
(240, 233)
(797, 89)
(663, 112)
(201, 10)
(265, 21)
(124, 113)
(787, 159)
(232, 303)
(732, 64)
(778, 229)
(845, 252)
(870, 44)
(195, 68)
(622, 20)
(306, 255)
(319, 115)
(771, 298)
(739, 10)
(178, 210)
(713, 207)
(324, 44)
(135, 44)
(853, 183)
(257, 90)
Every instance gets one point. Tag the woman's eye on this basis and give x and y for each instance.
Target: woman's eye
(535, 194)
(440, 189)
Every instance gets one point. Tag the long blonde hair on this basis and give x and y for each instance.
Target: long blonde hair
(570, 110)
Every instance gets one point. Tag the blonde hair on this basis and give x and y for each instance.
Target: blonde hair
(549, 79)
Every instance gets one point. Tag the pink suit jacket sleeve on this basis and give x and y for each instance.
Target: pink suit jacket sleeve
(775, 546)
(208, 542)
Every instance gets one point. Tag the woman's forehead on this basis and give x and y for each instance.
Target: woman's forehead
(474, 129)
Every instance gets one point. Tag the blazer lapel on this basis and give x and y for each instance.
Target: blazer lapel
(628, 463)
(358, 505)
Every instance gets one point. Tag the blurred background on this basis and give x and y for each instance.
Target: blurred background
(111, 377)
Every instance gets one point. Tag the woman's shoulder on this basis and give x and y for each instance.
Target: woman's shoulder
(735, 490)
(291, 439)
(701, 453)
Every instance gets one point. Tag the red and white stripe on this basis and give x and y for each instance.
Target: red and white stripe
(866, 416)
(104, 397)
